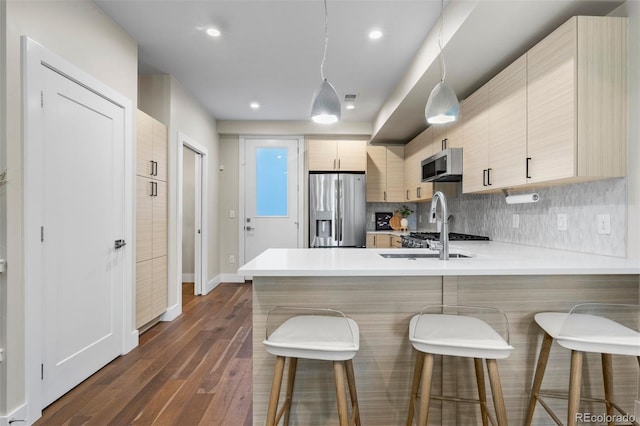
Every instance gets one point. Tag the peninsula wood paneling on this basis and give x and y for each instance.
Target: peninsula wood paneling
(383, 306)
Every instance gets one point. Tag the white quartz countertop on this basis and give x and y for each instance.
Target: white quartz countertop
(487, 258)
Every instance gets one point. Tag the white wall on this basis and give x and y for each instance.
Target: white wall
(81, 33)
(188, 213)
(190, 118)
(229, 180)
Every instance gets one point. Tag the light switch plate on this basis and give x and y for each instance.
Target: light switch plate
(562, 222)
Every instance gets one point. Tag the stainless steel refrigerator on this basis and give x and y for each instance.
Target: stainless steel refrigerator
(337, 210)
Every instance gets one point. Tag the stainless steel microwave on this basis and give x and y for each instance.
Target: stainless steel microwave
(444, 166)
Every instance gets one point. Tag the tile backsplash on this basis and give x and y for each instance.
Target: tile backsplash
(490, 215)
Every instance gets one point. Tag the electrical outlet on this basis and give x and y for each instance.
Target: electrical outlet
(232, 259)
(419, 219)
(562, 222)
(604, 224)
(515, 221)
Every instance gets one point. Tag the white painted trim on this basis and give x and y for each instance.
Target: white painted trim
(172, 312)
(18, 416)
(231, 278)
(199, 287)
(188, 278)
(34, 57)
(212, 284)
(242, 213)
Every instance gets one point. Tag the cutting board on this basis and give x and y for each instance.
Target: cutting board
(394, 222)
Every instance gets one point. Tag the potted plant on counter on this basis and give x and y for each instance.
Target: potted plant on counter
(404, 212)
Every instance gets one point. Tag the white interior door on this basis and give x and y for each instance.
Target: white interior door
(271, 198)
(83, 210)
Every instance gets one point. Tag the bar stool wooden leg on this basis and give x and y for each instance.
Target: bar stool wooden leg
(291, 378)
(425, 391)
(482, 391)
(607, 376)
(341, 396)
(496, 391)
(351, 380)
(417, 373)
(275, 391)
(543, 357)
(574, 387)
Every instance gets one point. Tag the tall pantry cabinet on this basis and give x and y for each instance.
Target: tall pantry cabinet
(151, 220)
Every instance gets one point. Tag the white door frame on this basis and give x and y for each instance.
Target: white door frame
(200, 253)
(34, 57)
(242, 189)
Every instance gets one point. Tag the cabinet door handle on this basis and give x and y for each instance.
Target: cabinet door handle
(528, 161)
(334, 164)
(155, 189)
(407, 195)
(446, 142)
(150, 189)
(338, 164)
(384, 196)
(419, 192)
(484, 177)
(489, 177)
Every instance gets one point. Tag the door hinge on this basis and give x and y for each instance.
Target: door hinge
(41, 99)
(41, 371)
(42, 234)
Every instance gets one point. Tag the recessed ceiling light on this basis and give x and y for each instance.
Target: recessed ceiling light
(350, 106)
(213, 32)
(375, 34)
(254, 105)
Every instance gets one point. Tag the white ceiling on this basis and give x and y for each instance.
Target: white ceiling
(270, 51)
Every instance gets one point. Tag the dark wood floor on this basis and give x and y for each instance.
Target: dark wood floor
(195, 370)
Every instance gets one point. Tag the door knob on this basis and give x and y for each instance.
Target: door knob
(249, 228)
(120, 244)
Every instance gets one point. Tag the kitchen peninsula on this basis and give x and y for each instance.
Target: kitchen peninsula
(382, 294)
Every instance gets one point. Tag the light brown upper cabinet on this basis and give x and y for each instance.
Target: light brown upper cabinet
(419, 148)
(337, 155)
(577, 101)
(385, 173)
(556, 114)
(151, 148)
(448, 135)
(475, 134)
(495, 131)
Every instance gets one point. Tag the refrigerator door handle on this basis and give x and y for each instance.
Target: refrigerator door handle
(338, 210)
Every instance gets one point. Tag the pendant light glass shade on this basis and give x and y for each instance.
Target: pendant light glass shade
(325, 108)
(442, 106)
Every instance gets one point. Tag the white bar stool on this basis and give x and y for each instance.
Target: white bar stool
(320, 334)
(462, 336)
(586, 328)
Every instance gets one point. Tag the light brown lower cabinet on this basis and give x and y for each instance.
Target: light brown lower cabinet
(383, 241)
(151, 290)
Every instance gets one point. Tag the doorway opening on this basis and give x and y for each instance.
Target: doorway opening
(192, 218)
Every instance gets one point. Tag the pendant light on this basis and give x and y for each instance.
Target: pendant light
(442, 106)
(325, 108)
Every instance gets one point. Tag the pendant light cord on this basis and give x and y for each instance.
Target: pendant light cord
(326, 40)
(443, 68)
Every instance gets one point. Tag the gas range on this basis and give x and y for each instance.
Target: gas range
(421, 239)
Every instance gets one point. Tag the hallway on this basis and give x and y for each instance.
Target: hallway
(195, 370)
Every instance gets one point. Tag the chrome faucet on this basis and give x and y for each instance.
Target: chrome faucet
(444, 231)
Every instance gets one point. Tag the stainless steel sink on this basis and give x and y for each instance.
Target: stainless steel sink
(414, 256)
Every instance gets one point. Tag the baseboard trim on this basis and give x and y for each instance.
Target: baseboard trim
(131, 341)
(172, 313)
(232, 278)
(17, 417)
(188, 278)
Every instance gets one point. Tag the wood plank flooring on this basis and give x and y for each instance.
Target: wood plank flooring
(195, 370)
